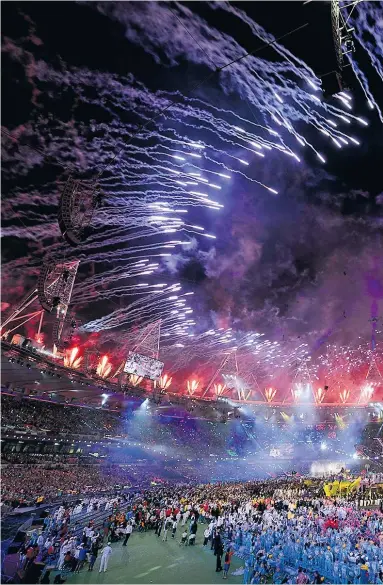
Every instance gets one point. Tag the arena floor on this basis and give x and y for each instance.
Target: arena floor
(147, 559)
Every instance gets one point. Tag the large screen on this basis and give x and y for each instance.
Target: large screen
(144, 366)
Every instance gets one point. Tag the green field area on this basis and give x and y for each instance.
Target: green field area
(147, 559)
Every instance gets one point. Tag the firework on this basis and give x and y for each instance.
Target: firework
(192, 386)
(104, 367)
(219, 389)
(344, 395)
(270, 394)
(72, 359)
(163, 383)
(367, 393)
(135, 380)
(319, 395)
(164, 177)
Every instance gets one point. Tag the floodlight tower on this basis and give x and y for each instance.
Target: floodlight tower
(148, 340)
(53, 291)
(374, 376)
(334, 82)
(233, 380)
(228, 366)
(342, 31)
(147, 344)
(55, 286)
(301, 386)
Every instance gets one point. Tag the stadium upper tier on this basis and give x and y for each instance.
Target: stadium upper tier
(146, 431)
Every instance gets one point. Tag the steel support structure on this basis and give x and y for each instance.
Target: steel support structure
(55, 282)
(234, 381)
(24, 304)
(302, 376)
(55, 286)
(341, 31)
(149, 340)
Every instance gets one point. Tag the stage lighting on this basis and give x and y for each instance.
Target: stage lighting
(323, 446)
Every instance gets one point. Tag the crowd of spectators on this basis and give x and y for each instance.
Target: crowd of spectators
(37, 415)
(43, 458)
(23, 484)
(179, 433)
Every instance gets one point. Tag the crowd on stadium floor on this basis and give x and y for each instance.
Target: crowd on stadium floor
(284, 531)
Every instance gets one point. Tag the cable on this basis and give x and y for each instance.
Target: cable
(196, 86)
(264, 46)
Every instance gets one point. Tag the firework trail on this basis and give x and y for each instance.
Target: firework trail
(164, 174)
(282, 93)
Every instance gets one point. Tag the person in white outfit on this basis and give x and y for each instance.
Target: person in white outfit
(185, 517)
(105, 554)
(165, 530)
(206, 535)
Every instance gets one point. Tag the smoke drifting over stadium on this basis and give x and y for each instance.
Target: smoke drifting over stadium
(238, 183)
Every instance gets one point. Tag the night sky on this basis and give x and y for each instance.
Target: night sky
(300, 266)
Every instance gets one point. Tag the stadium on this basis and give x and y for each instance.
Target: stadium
(192, 285)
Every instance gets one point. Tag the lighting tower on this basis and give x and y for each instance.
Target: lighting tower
(55, 286)
(148, 340)
(147, 343)
(333, 82)
(301, 387)
(234, 381)
(374, 376)
(342, 31)
(53, 291)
